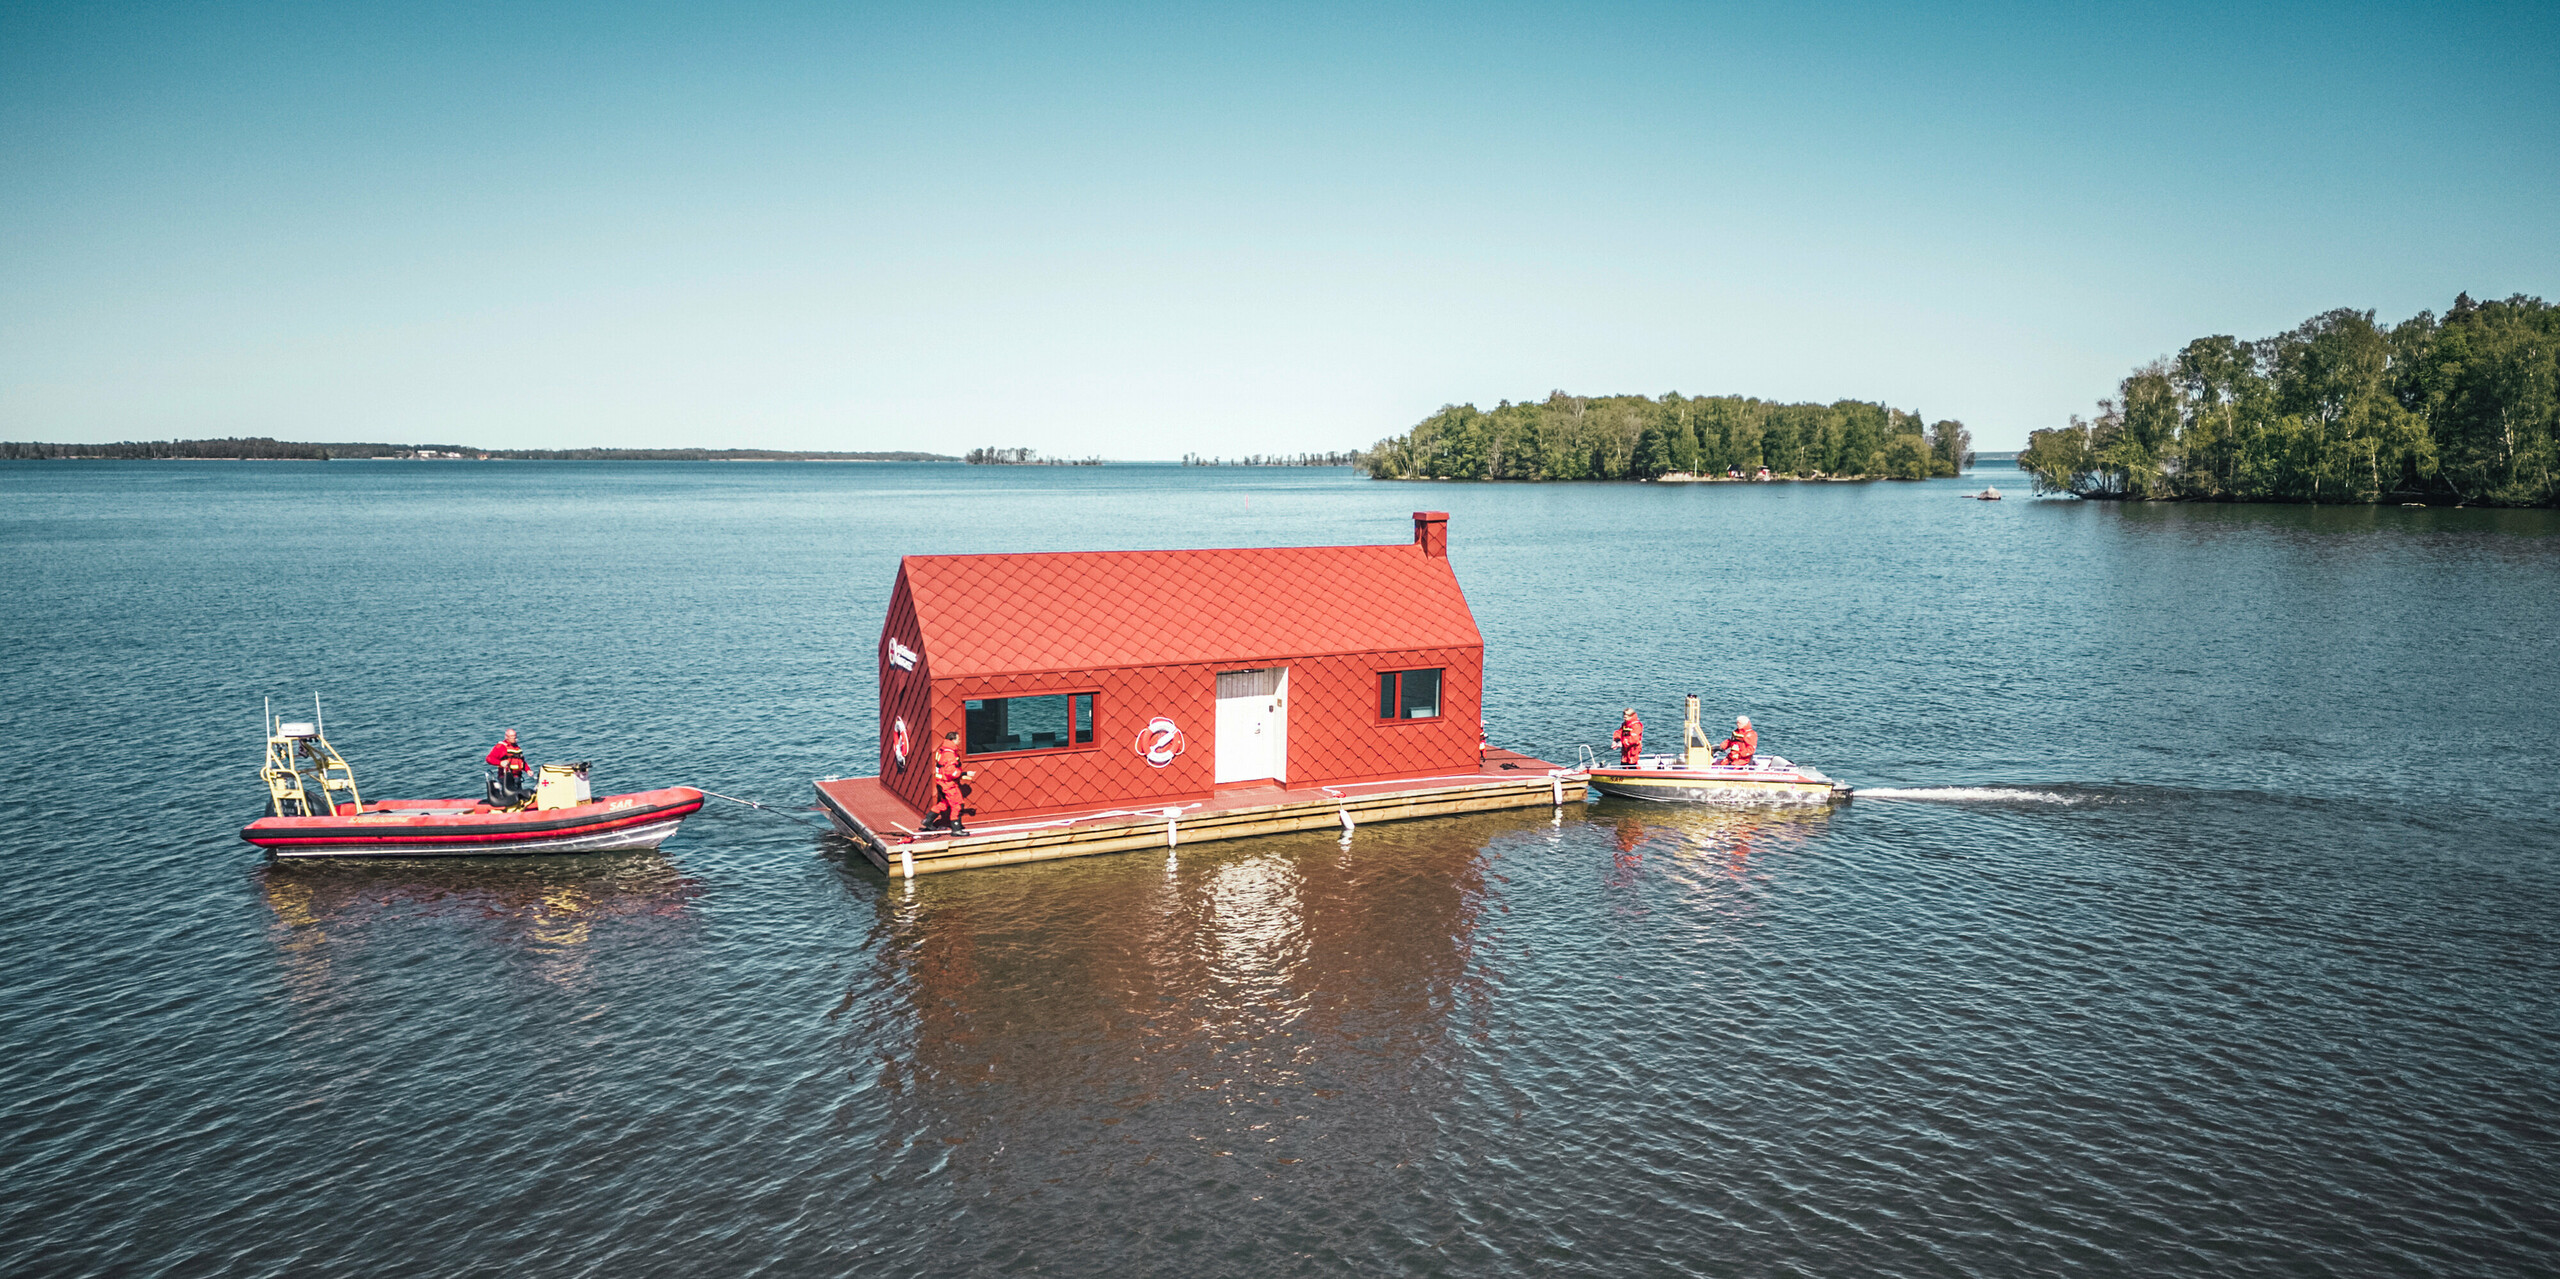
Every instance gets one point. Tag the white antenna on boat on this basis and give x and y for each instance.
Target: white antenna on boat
(269, 718)
(319, 723)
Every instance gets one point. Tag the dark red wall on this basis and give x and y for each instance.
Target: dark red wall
(907, 694)
(1110, 772)
(1334, 733)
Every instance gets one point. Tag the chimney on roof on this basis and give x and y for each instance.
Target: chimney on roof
(1431, 533)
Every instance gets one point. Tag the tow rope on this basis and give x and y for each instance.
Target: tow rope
(761, 808)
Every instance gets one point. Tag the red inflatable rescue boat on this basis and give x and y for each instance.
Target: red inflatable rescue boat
(469, 828)
(314, 810)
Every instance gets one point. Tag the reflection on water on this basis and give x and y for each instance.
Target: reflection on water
(1707, 830)
(1249, 1013)
(1711, 837)
(2340, 526)
(544, 910)
(1256, 926)
(2212, 930)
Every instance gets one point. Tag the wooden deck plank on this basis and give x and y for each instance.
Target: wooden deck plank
(881, 824)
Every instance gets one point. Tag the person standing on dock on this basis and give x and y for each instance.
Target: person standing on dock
(947, 790)
(1745, 743)
(1629, 739)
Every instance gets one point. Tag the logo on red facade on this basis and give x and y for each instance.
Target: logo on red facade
(898, 745)
(1160, 741)
(901, 656)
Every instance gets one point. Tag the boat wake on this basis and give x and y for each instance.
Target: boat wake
(1969, 794)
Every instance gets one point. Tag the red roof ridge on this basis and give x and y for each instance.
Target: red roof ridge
(1169, 550)
(1025, 612)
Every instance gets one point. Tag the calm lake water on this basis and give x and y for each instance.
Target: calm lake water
(2215, 929)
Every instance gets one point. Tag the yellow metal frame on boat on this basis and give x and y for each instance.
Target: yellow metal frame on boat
(299, 764)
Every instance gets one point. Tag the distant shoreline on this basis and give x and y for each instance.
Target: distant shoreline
(91, 457)
(62, 453)
(263, 449)
(1170, 463)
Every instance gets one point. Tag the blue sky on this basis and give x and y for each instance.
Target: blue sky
(1144, 231)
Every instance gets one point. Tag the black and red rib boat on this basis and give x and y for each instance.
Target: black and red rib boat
(314, 810)
(466, 828)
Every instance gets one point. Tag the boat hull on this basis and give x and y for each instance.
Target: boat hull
(1668, 780)
(462, 828)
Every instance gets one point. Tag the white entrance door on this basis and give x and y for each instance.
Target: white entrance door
(1253, 725)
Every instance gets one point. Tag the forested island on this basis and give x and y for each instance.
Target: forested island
(261, 449)
(1636, 437)
(2460, 409)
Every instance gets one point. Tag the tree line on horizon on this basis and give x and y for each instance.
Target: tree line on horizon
(263, 449)
(1636, 437)
(1351, 458)
(2338, 409)
(259, 449)
(1024, 457)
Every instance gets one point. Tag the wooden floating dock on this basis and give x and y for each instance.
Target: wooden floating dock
(885, 826)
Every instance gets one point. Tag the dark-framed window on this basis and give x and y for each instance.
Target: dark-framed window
(1009, 725)
(1410, 694)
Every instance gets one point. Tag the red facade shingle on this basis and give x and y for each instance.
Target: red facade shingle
(1148, 632)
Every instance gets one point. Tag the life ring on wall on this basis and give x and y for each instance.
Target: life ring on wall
(898, 744)
(1160, 741)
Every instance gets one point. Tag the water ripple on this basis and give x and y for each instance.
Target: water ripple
(2240, 991)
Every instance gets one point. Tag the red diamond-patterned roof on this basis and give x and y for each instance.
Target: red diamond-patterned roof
(1088, 610)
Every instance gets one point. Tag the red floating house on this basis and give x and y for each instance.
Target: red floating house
(1123, 699)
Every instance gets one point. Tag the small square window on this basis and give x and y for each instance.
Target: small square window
(1409, 694)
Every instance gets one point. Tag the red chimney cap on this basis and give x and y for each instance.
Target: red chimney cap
(1431, 533)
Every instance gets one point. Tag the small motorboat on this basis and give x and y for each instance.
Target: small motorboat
(315, 810)
(1695, 777)
(1986, 495)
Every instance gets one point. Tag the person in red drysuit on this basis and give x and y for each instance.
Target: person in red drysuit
(1745, 743)
(1629, 739)
(508, 782)
(947, 790)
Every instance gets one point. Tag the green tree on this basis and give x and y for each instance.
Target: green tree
(1950, 448)
(2213, 377)
(2336, 409)
(2140, 432)
(2332, 372)
(2060, 461)
(2489, 382)
(1653, 452)
(1905, 457)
